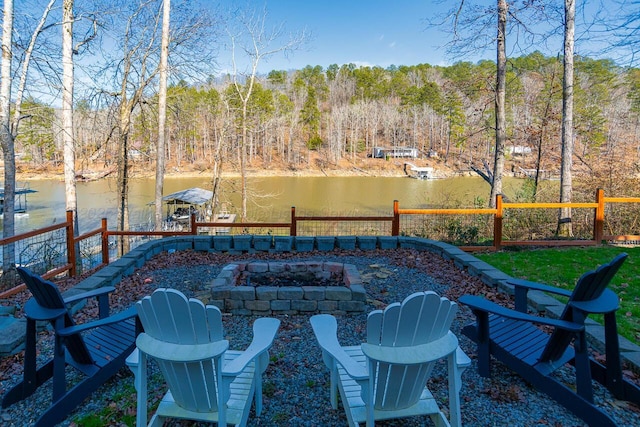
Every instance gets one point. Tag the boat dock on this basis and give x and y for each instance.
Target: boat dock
(418, 172)
(20, 205)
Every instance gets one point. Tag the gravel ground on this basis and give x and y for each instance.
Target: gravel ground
(296, 384)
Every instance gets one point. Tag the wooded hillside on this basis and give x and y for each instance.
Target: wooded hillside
(326, 118)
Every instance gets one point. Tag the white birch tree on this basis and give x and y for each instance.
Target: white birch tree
(6, 137)
(162, 111)
(69, 152)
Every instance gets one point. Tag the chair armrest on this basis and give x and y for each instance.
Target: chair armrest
(163, 350)
(89, 294)
(264, 332)
(35, 311)
(116, 318)
(415, 354)
(462, 359)
(605, 303)
(481, 304)
(521, 283)
(325, 328)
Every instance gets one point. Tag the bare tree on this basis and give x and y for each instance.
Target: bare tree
(566, 182)
(26, 61)
(470, 23)
(6, 137)
(133, 67)
(257, 43)
(501, 120)
(162, 111)
(67, 111)
(10, 132)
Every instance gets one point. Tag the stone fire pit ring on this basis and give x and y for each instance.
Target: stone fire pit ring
(339, 289)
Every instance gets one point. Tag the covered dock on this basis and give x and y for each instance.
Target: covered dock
(20, 199)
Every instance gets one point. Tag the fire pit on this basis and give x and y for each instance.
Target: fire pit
(263, 288)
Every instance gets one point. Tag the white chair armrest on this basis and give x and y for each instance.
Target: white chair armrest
(415, 354)
(325, 328)
(462, 360)
(179, 352)
(264, 332)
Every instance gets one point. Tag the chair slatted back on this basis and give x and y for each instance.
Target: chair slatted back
(421, 318)
(47, 295)
(168, 316)
(590, 286)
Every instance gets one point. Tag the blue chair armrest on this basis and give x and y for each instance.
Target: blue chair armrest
(116, 318)
(521, 283)
(89, 294)
(605, 303)
(483, 305)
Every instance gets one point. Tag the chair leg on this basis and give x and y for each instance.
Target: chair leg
(258, 385)
(59, 365)
(454, 389)
(32, 378)
(27, 387)
(479, 333)
(583, 369)
(333, 386)
(140, 378)
(614, 380)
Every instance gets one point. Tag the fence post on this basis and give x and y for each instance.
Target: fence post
(105, 242)
(598, 223)
(497, 223)
(193, 223)
(293, 231)
(395, 225)
(71, 247)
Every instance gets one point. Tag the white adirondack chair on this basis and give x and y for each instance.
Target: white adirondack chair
(386, 377)
(206, 381)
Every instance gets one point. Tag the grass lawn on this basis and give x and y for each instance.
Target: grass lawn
(562, 267)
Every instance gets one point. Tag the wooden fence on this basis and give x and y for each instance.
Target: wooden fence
(488, 233)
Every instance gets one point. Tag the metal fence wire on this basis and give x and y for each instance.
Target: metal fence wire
(541, 224)
(343, 228)
(456, 229)
(609, 219)
(42, 252)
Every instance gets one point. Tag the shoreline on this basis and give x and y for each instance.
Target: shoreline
(231, 174)
(368, 167)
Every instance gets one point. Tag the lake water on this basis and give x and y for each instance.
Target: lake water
(271, 198)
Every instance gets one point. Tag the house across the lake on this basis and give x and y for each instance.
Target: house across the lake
(383, 153)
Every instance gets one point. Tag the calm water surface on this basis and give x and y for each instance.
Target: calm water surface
(270, 199)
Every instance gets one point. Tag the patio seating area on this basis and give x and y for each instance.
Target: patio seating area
(295, 335)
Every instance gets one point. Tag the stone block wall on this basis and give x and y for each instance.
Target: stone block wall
(230, 295)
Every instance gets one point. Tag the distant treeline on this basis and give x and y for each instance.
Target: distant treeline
(345, 111)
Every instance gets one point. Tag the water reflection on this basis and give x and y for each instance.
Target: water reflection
(270, 198)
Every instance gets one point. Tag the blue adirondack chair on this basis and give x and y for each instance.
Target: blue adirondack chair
(97, 349)
(512, 337)
(386, 377)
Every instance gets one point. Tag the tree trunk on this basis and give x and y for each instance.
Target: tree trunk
(162, 113)
(566, 187)
(67, 112)
(243, 157)
(501, 121)
(123, 177)
(6, 139)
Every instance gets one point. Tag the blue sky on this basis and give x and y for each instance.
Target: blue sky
(372, 32)
(367, 32)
